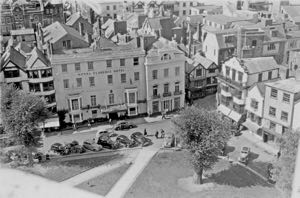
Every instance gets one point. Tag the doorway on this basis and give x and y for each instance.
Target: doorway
(113, 116)
(265, 137)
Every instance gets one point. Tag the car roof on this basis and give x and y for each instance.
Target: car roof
(245, 148)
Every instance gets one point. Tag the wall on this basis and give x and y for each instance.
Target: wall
(100, 72)
(75, 42)
(210, 43)
(296, 116)
(255, 94)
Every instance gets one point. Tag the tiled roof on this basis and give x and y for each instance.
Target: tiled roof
(261, 85)
(73, 18)
(290, 85)
(56, 31)
(15, 57)
(260, 64)
(293, 34)
(37, 54)
(205, 62)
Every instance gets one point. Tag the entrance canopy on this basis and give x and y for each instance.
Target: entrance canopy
(251, 126)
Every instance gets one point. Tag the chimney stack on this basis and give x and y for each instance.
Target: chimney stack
(99, 25)
(239, 43)
(190, 40)
(80, 28)
(297, 75)
(199, 31)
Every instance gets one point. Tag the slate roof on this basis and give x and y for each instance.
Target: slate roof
(57, 30)
(37, 54)
(15, 57)
(261, 85)
(23, 47)
(260, 64)
(223, 19)
(205, 62)
(73, 18)
(290, 85)
(293, 10)
(158, 23)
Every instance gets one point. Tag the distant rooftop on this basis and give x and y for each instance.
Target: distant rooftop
(290, 85)
(292, 10)
(223, 19)
(22, 31)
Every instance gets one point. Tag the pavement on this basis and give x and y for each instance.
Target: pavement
(100, 170)
(125, 182)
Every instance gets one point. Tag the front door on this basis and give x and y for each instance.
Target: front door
(265, 137)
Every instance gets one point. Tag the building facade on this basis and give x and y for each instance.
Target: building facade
(101, 83)
(201, 77)
(282, 108)
(165, 77)
(237, 76)
(29, 15)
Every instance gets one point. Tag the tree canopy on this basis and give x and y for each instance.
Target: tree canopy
(285, 166)
(21, 114)
(205, 134)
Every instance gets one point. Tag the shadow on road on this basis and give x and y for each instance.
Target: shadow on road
(237, 176)
(253, 156)
(229, 149)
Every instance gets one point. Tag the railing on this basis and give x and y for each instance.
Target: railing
(156, 96)
(238, 85)
(167, 94)
(177, 92)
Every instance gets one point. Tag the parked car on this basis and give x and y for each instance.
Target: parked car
(110, 133)
(244, 155)
(124, 125)
(124, 140)
(140, 139)
(270, 171)
(169, 140)
(58, 148)
(105, 141)
(91, 145)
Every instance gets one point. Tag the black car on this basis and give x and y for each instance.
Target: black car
(140, 139)
(91, 145)
(105, 141)
(124, 140)
(124, 125)
(58, 148)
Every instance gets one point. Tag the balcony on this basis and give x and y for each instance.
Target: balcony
(45, 93)
(155, 96)
(235, 84)
(167, 94)
(40, 80)
(238, 100)
(177, 92)
(225, 93)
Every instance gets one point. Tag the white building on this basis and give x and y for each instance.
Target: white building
(282, 107)
(165, 77)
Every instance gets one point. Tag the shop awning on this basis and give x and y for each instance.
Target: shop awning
(251, 126)
(224, 110)
(272, 132)
(114, 109)
(235, 116)
(49, 123)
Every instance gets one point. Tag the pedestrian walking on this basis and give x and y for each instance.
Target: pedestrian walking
(162, 132)
(109, 121)
(156, 134)
(145, 132)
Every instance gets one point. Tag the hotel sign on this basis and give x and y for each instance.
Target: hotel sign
(101, 72)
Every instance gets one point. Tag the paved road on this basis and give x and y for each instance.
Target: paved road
(166, 125)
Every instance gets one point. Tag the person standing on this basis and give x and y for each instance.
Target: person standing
(156, 134)
(145, 132)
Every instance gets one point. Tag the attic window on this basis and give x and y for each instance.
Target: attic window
(228, 39)
(166, 57)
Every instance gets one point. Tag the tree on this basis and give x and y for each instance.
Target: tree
(21, 114)
(204, 133)
(285, 165)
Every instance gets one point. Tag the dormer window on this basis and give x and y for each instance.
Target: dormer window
(166, 57)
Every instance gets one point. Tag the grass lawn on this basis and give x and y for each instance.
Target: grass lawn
(102, 184)
(160, 179)
(60, 171)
